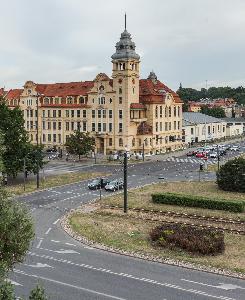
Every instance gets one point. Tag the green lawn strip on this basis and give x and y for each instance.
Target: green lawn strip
(127, 233)
(52, 181)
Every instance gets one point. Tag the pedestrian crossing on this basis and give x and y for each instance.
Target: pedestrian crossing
(191, 160)
(63, 168)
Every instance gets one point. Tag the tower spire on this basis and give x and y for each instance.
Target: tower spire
(125, 21)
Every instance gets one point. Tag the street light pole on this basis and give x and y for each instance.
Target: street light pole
(125, 186)
(38, 179)
(143, 153)
(24, 170)
(218, 156)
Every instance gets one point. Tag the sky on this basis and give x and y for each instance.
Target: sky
(187, 41)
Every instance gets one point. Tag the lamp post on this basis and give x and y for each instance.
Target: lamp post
(125, 185)
(143, 149)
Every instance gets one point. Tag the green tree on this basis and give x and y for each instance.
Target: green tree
(80, 143)
(16, 232)
(38, 293)
(217, 112)
(7, 291)
(231, 176)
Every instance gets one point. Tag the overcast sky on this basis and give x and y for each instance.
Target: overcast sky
(188, 41)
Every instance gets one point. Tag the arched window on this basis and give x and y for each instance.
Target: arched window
(166, 112)
(120, 142)
(169, 111)
(101, 88)
(174, 111)
(178, 111)
(156, 112)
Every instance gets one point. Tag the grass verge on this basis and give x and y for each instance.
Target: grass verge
(51, 181)
(116, 230)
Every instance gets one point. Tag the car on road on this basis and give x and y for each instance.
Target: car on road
(98, 183)
(114, 185)
(201, 154)
(213, 155)
(234, 148)
(191, 153)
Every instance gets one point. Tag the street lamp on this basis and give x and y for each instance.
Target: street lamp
(38, 179)
(125, 181)
(143, 149)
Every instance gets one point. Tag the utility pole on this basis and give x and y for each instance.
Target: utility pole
(38, 179)
(218, 155)
(24, 170)
(125, 179)
(143, 153)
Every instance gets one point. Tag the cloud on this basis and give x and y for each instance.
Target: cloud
(70, 40)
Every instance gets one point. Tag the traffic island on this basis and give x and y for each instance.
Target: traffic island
(107, 228)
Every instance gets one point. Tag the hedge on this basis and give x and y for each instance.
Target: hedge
(186, 237)
(197, 201)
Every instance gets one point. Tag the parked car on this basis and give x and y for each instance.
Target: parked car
(114, 185)
(98, 183)
(213, 155)
(234, 148)
(201, 154)
(191, 153)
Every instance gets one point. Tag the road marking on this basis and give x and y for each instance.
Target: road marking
(150, 281)
(47, 232)
(69, 244)
(61, 251)
(39, 265)
(14, 282)
(39, 243)
(223, 286)
(54, 241)
(69, 285)
(55, 222)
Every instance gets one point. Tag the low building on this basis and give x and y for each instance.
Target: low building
(235, 126)
(198, 127)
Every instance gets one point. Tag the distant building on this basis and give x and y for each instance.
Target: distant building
(235, 126)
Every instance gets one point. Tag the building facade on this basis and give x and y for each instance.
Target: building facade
(122, 113)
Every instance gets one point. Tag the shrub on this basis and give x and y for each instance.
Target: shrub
(191, 239)
(231, 176)
(197, 201)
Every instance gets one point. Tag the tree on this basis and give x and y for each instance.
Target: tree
(231, 176)
(7, 291)
(16, 232)
(80, 143)
(38, 293)
(217, 112)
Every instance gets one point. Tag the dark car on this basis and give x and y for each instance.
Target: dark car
(98, 183)
(114, 185)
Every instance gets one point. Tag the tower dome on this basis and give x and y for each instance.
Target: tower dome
(125, 48)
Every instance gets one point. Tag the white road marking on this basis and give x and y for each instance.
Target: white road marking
(69, 244)
(69, 285)
(14, 282)
(39, 265)
(150, 281)
(223, 286)
(39, 243)
(47, 232)
(55, 222)
(54, 241)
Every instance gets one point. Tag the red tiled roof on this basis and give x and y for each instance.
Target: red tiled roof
(14, 94)
(155, 92)
(137, 106)
(65, 89)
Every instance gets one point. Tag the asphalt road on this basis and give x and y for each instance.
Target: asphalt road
(69, 270)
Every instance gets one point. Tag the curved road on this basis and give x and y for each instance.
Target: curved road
(69, 270)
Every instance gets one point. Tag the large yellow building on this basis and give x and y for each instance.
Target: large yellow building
(122, 113)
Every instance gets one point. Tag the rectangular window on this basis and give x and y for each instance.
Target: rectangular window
(178, 124)
(72, 113)
(27, 124)
(54, 138)
(156, 126)
(104, 113)
(84, 126)
(110, 113)
(78, 126)
(48, 113)
(120, 127)
(84, 113)
(166, 126)
(44, 125)
(192, 130)
(169, 126)
(44, 138)
(161, 111)
(120, 114)
(54, 125)
(49, 125)
(49, 137)
(43, 113)
(59, 125)
(99, 114)
(35, 113)
(174, 125)
(67, 114)
(104, 127)
(160, 126)
(54, 113)
(59, 113)
(72, 125)
(110, 127)
(120, 100)
(93, 113)
(78, 113)
(31, 113)
(67, 126)
(93, 126)
(110, 141)
(59, 138)
(99, 127)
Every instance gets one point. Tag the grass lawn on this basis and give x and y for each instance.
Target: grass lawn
(51, 181)
(127, 233)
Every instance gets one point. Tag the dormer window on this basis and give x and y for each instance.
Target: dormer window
(81, 100)
(69, 100)
(56, 100)
(46, 100)
(29, 92)
(101, 88)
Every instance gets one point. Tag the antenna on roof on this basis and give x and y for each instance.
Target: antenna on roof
(125, 21)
